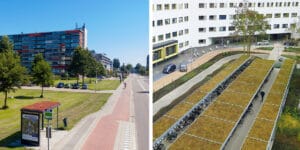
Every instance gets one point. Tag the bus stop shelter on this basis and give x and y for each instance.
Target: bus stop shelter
(31, 118)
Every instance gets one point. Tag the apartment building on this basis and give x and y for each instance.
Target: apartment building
(57, 47)
(201, 23)
(103, 59)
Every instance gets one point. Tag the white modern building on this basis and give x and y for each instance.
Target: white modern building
(197, 23)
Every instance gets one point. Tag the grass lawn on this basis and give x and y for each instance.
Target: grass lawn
(293, 49)
(101, 85)
(265, 48)
(74, 106)
(288, 127)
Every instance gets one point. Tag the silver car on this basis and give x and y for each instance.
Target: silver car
(183, 68)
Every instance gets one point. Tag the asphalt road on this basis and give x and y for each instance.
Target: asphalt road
(140, 87)
(185, 57)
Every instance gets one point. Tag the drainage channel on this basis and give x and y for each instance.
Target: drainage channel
(176, 129)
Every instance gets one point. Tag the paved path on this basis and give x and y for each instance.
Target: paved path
(66, 90)
(276, 52)
(242, 130)
(171, 96)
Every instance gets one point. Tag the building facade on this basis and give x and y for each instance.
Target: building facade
(105, 61)
(201, 23)
(57, 47)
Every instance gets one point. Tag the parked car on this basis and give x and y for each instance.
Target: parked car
(67, 86)
(263, 42)
(60, 85)
(84, 86)
(183, 67)
(169, 68)
(75, 86)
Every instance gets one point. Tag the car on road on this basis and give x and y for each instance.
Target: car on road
(169, 68)
(84, 86)
(263, 42)
(60, 85)
(67, 86)
(183, 67)
(75, 86)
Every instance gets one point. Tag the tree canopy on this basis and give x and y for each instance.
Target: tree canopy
(116, 63)
(249, 23)
(12, 74)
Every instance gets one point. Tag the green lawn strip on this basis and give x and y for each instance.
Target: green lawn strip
(265, 48)
(74, 106)
(292, 49)
(101, 84)
(288, 127)
(168, 88)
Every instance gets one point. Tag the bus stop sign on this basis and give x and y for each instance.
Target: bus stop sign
(48, 114)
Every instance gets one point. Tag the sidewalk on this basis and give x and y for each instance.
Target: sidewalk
(99, 129)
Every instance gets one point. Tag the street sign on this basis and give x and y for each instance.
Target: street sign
(48, 114)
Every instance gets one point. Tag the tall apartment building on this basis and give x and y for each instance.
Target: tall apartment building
(57, 47)
(197, 23)
(103, 59)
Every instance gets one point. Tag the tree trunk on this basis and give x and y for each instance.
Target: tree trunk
(42, 94)
(5, 99)
(77, 78)
(83, 78)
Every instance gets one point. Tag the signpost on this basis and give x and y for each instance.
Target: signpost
(48, 116)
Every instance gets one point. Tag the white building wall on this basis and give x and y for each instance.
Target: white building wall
(193, 12)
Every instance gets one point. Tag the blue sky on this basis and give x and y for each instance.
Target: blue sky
(118, 28)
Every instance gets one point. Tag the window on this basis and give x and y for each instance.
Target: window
(167, 21)
(174, 34)
(249, 4)
(222, 29)
(202, 29)
(231, 28)
(186, 5)
(167, 6)
(222, 5)
(156, 55)
(180, 32)
(231, 5)
(272, 4)
(240, 4)
(160, 37)
(211, 5)
(285, 26)
(170, 50)
(259, 5)
(294, 15)
(293, 25)
(153, 23)
(269, 15)
(286, 15)
(180, 45)
(168, 35)
(201, 5)
(186, 43)
(276, 4)
(276, 26)
(212, 17)
(277, 15)
(268, 4)
(159, 22)
(153, 39)
(186, 31)
(186, 18)
(280, 4)
(231, 17)
(173, 6)
(222, 17)
(158, 7)
(180, 19)
(212, 29)
(297, 4)
(174, 20)
(289, 4)
(202, 41)
(202, 18)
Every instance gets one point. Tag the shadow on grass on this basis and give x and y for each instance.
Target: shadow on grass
(25, 97)
(12, 141)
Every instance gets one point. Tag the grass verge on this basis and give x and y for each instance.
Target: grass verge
(292, 49)
(265, 48)
(168, 88)
(74, 106)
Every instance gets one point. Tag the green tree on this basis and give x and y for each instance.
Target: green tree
(138, 67)
(12, 74)
(41, 73)
(95, 67)
(116, 63)
(80, 63)
(249, 23)
(129, 67)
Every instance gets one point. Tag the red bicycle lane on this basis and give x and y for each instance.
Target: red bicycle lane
(104, 134)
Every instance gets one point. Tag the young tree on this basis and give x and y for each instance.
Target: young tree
(41, 73)
(95, 67)
(249, 23)
(12, 74)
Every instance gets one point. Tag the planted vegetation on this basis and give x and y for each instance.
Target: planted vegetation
(262, 128)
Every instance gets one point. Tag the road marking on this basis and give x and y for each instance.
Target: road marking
(141, 85)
